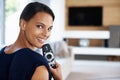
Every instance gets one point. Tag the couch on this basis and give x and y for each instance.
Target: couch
(63, 56)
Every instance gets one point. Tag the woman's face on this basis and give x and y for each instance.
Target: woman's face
(37, 30)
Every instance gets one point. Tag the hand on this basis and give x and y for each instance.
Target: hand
(57, 73)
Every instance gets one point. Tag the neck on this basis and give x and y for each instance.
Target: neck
(22, 42)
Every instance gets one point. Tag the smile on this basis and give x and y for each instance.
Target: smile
(41, 40)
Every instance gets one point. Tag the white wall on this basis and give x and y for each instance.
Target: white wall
(58, 7)
(47, 2)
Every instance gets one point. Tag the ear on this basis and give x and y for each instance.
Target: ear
(22, 24)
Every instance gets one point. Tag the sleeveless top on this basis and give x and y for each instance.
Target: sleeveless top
(21, 64)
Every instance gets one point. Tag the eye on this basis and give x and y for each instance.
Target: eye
(39, 26)
(49, 29)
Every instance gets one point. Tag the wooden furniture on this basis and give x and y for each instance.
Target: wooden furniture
(96, 37)
(111, 11)
(94, 51)
(111, 16)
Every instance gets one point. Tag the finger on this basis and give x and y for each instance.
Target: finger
(57, 64)
(52, 69)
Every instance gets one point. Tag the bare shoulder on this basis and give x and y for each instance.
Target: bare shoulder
(41, 73)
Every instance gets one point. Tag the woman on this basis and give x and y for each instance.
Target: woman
(19, 61)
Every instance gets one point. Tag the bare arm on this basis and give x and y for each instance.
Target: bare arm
(41, 73)
(57, 74)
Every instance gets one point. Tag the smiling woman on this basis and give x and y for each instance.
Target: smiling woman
(19, 59)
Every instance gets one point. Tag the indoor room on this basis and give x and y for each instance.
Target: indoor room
(85, 38)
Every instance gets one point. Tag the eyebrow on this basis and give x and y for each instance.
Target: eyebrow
(43, 24)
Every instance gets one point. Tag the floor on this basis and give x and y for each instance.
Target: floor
(95, 70)
(85, 76)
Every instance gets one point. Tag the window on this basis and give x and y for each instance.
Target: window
(2, 25)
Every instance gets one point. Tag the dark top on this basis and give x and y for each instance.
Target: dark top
(21, 64)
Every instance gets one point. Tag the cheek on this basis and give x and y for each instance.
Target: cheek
(31, 33)
(49, 34)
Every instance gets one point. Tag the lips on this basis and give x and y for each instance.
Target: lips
(41, 40)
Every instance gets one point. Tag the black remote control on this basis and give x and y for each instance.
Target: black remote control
(48, 54)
